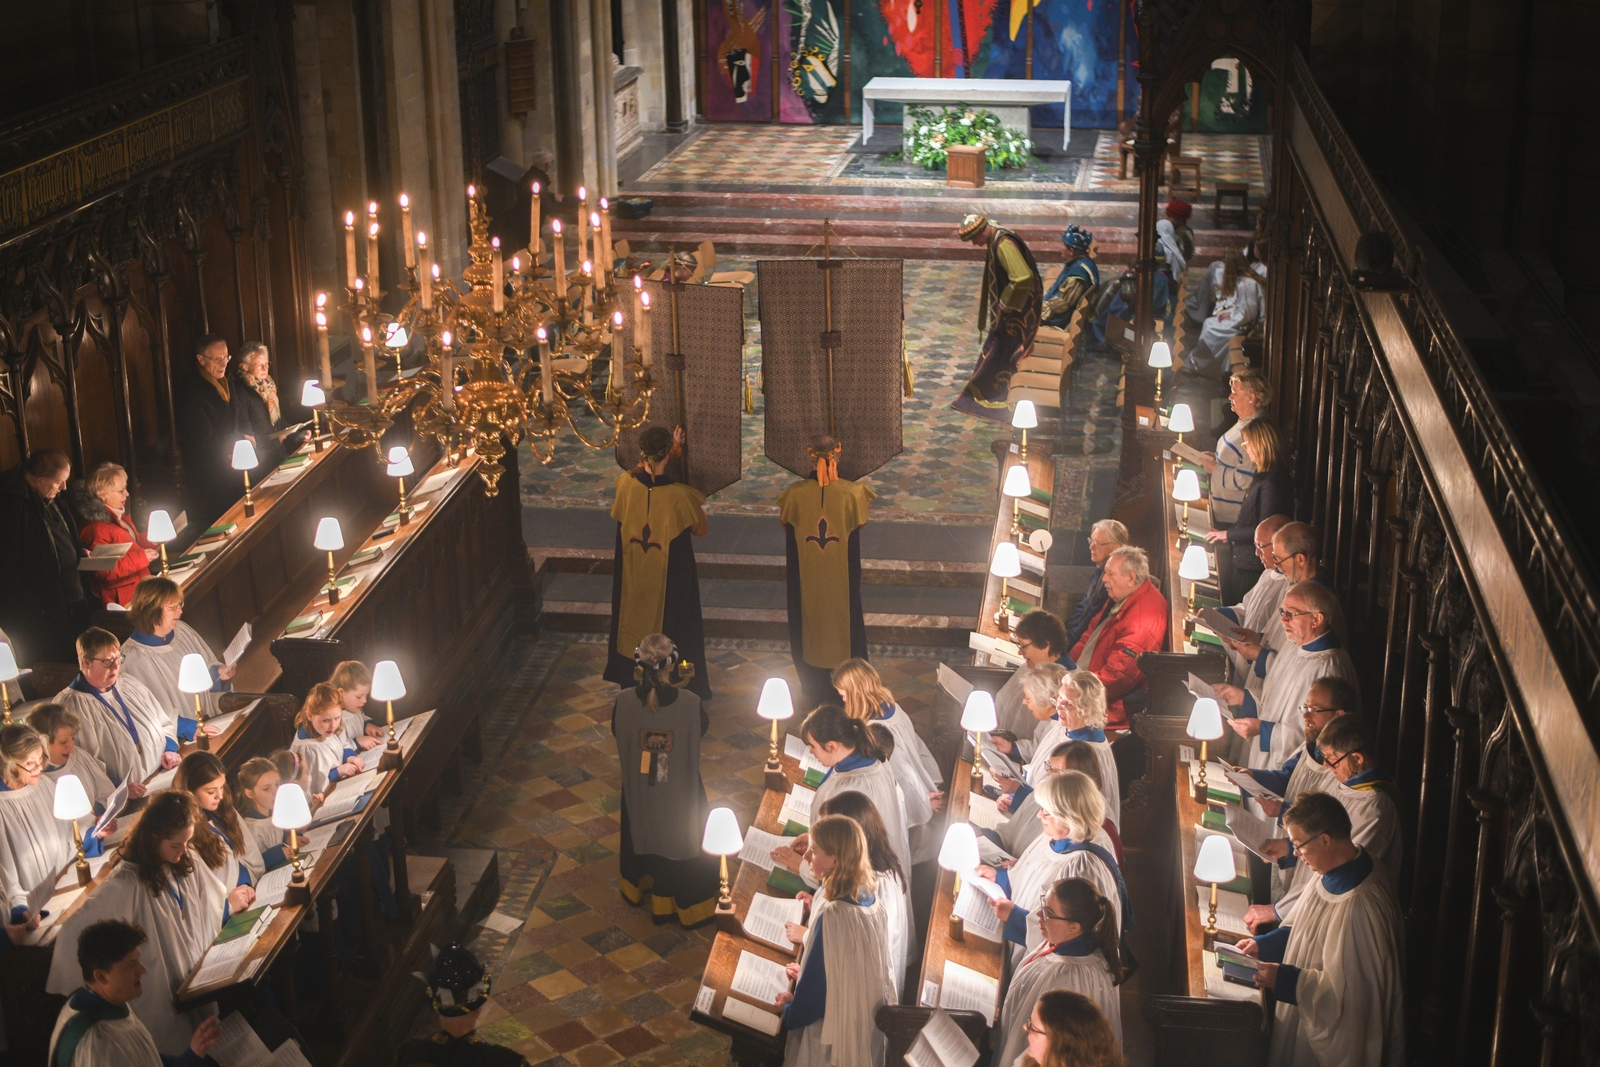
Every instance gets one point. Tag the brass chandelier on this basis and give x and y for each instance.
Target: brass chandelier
(508, 354)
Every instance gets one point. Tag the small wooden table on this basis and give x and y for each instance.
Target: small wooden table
(1009, 98)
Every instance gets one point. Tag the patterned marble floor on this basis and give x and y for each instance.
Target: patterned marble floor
(946, 470)
(580, 978)
(757, 155)
(1228, 157)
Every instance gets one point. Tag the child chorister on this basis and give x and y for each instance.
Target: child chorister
(353, 680)
(856, 763)
(219, 834)
(34, 844)
(59, 727)
(842, 977)
(894, 884)
(868, 699)
(1080, 951)
(320, 741)
(258, 787)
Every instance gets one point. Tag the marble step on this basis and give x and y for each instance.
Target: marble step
(883, 628)
(933, 573)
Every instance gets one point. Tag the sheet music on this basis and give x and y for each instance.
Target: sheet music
(794, 747)
(433, 482)
(749, 1015)
(1230, 909)
(1248, 830)
(317, 839)
(356, 786)
(972, 908)
(236, 647)
(222, 722)
(40, 894)
(759, 978)
(1217, 778)
(981, 811)
(984, 886)
(237, 949)
(213, 972)
(114, 805)
(954, 684)
(964, 989)
(1187, 452)
(414, 726)
(1203, 690)
(797, 806)
(766, 917)
(289, 1055)
(240, 1046)
(1247, 782)
(274, 885)
(993, 854)
(758, 846)
(942, 1043)
(1219, 624)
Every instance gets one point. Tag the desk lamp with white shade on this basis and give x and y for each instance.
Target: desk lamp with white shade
(1205, 724)
(244, 461)
(195, 678)
(1024, 418)
(160, 531)
(777, 705)
(72, 804)
(723, 839)
(1195, 566)
(1006, 565)
(1185, 488)
(1160, 359)
(388, 686)
(312, 396)
(1016, 486)
(1215, 865)
(1181, 420)
(291, 812)
(330, 539)
(959, 854)
(978, 717)
(400, 468)
(9, 673)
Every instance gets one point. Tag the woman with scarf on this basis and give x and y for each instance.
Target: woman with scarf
(104, 510)
(260, 412)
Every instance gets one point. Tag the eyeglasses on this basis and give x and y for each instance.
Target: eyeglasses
(1285, 614)
(33, 766)
(1032, 1029)
(1307, 709)
(1300, 849)
(1331, 763)
(109, 661)
(1023, 642)
(1046, 913)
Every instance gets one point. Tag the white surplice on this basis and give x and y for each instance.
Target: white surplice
(124, 1042)
(104, 733)
(319, 755)
(1089, 975)
(877, 784)
(157, 667)
(1290, 674)
(1040, 867)
(1258, 611)
(181, 920)
(34, 844)
(89, 772)
(856, 964)
(1350, 1006)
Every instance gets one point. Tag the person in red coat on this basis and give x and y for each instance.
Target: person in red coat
(104, 510)
(1133, 621)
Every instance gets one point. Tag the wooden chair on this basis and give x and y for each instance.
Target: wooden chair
(1202, 1032)
(1185, 177)
(901, 1025)
(705, 258)
(1231, 204)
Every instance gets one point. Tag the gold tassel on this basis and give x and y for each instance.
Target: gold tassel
(749, 397)
(905, 368)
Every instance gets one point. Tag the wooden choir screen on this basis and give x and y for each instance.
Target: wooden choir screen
(135, 218)
(1473, 624)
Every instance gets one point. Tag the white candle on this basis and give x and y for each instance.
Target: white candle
(560, 263)
(499, 282)
(350, 271)
(588, 292)
(638, 316)
(533, 226)
(616, 352)
(322, 346)
(545, 389)
(372, 260)
(371, 362)
(599, 254)
(424, 274)
(405, 230)
(583, 221)
(645, 349)
(447, 371)
(609, 259)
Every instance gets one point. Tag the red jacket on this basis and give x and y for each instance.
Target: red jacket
(1141, 626)
(102, 528)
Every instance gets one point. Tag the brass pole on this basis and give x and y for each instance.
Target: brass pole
(827, 306)
(677, 357)
(200, 737)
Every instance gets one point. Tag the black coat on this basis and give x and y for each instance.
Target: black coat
(1269, 494)
(256, 420)
(207, 428)
(41, 594)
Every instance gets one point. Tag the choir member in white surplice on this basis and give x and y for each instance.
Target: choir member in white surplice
(1312, 651)
(1040, 638)
(1080, 951)
(1022, 825)
(162, 886)
(866, 698)
(1304, 772)
(1007, 754)
(1335, 969)
(34, 844)
(156, 648)
(258, 788)
(228, 852)
(1258, 611)
(1078, 713)
(59, 727)
(856, 763)
(843, 974)
(96, 1027)
(321, 743)
(1068, 1029)
(125, 726)
(1073, 845)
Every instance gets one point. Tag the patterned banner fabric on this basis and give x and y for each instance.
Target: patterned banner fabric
(868, 321)
(711, 341)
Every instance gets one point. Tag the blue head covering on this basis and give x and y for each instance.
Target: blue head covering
(1077, 238)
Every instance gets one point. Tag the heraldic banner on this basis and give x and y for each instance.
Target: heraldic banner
(699, 387)
(866, 337)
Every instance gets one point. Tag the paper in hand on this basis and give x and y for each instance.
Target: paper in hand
(1249, 831)
(114, 805)
(954, 684)
(942, 1043)
(766, 917)
(236, 647)
(1218, 623)
(40, 894)
(1201, 689)
(972, 908)
(1247, 783)
(993, 854)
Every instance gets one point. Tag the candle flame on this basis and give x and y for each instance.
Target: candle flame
(583, 193)
(494, 242)
(372, 208)
(405, 202)
(638, 283)
(605, 205)
(373, 229)
(322, 321)
(366, 335)
(436, 272)
(422, 239)
(535, 188)
(447, 339)
(322, 299)
(644, 299)
(516, 264)
(361, 283)
(588, 268)
(594, 219)
(555, 227)
(540, 333)
(472, 190)
(616, 318)
(349, 219)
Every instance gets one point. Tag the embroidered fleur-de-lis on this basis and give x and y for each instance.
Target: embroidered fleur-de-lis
(822, 538)
(643, 540)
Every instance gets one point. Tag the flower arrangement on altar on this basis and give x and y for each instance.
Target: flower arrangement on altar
(928, 136)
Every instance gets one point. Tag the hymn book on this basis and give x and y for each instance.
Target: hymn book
(760, 979)
(104, 557)
(1214, 620)
(758, 846)
(941, 1043)
(738, 1011)
(1230, 910)
(766, 918)
(965, 989)
(972, 908)
(240, 1046)
(983, 811)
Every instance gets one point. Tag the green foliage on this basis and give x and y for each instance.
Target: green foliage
(929, 134)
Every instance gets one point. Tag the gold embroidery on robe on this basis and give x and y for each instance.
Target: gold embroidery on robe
(651, 519)
(823, 520)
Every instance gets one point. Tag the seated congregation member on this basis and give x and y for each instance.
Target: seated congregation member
(156, 649)
(59, 729)
(658, 728)
(353, 680)
(1312, 651)
(654, 587)
(866, 698)
(321, 743)
(1229, 468)
(1257, 610)
(43, 605)
(219, 835)
(96, 1027)
(125, 725)
(1105, 537)
(1080, 951)
(1040, 638)
(1271, 492)
(258, 788)
(843, 974)
(1067, 1029)
(1237, 301)
(1133, 621)
(1335, 968)
(161, 885)
(34, 844)
(1010, 756)
(1080, 275)
(1072, 846)
(856, 763)
(103, 507)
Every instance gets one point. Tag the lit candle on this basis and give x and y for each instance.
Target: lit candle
(370, 358)
(372, 260)
(424, 274)
(588, 292)
(560, 263)
(447, 371)
(616, 352)
(360, 299)
(534, 245)
(638, 315)
(322, 345)
(516, 271)
(350, 249)
(583, 221)
(544, 366)
(405, 230)
(499, 282)
(644, 349)
(608, 261)
(599, 255)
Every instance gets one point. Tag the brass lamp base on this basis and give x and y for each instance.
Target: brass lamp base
(392, 759)
(82, 868)
(333, 594)
(299, 890)
(776, 779)
(202, 739)
(726, 918)
(958, 928)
